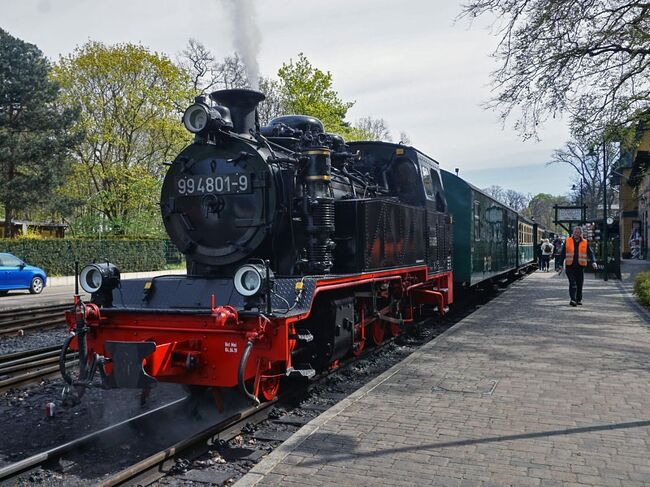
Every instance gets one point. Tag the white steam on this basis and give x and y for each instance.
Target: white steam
(247, 36)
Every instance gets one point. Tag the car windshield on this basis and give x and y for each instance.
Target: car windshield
(10, 261)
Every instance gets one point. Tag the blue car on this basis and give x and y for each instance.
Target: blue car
(15, 274)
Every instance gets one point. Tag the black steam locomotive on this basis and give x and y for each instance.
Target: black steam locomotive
(300, 249)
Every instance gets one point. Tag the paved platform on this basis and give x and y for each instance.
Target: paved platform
(527, 391)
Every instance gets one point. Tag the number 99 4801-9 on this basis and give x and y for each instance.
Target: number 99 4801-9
(223, 184)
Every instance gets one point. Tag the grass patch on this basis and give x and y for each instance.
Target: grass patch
(642, 287)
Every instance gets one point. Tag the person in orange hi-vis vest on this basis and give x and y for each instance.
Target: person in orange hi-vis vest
(576, 254)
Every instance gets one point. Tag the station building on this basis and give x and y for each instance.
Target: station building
(634, 194)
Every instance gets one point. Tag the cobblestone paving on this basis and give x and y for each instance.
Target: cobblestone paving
(527, 391)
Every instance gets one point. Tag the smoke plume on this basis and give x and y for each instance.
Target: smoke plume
(247, 36)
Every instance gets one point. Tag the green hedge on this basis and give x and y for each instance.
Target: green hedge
(57, 256)
(642, 287)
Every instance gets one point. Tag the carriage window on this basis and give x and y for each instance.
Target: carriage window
(477, 220)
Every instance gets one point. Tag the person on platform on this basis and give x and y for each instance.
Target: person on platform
(576, 254)
(558, 243)
(547, 250)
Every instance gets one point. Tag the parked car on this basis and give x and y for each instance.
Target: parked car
(16, 274)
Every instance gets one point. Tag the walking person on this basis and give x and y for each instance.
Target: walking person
(576, 253)
(547, 250)
(557, 253)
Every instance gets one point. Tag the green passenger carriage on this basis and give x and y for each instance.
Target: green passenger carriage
(490, 239)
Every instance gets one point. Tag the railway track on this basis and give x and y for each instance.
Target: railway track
(13, 322)
(10, 472)
(22, 368)
(153, 467)
(157, 465)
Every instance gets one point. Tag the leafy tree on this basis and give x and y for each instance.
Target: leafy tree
(35, 129)
(540, 207)
(588, 58)
(129, 99)
(307, 90)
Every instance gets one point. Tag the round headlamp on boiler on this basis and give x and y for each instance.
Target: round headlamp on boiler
(252, 279)
(200, 117)
(99, 277)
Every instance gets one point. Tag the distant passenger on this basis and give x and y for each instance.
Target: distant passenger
(558, 243)
(547, 250)
(576, 253)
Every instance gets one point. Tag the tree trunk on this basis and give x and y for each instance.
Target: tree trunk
(9, 207)
(9, 212)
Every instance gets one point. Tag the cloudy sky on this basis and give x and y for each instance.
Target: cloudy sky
(408, 62)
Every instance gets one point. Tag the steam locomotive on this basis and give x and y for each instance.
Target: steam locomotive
(300, 248)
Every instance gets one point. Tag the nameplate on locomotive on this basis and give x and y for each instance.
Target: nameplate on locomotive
(234, 183)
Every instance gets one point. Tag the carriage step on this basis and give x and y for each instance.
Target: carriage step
(307, 372)
(303, 336)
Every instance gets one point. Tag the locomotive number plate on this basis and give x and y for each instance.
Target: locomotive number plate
(226, 184)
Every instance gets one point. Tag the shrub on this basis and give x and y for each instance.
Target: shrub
(642, 287)
(58, 256)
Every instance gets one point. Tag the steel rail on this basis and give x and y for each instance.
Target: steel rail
(57, 452)
(153, 467)
(28, 366)
(15, 321)
(26, 354)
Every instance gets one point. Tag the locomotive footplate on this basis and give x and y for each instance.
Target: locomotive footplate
(127, 361)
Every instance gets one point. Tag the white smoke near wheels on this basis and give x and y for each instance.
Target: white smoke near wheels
(247, 36)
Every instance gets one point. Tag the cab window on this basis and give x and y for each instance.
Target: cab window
(428, 183)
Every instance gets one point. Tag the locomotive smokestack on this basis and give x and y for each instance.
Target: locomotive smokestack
(242, 104)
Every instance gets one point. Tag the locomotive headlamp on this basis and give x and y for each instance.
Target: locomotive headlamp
(250, 279)
(196, 117)
(96, 277)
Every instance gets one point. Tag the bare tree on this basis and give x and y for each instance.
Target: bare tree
(495, 191)
(207, 74)
(590, 158)
(515, 200)
(271, 107)
(588, 58)
(231, 73)
(509, 197)
(200, 64)
(376, 128)
(404, 138)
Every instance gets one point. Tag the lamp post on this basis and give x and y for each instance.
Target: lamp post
(606, 258)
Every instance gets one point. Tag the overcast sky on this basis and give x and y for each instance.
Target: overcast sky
(408, 62)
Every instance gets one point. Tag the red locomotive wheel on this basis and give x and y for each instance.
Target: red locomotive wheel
(377, 332)
(395, 329)
(269, 387)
